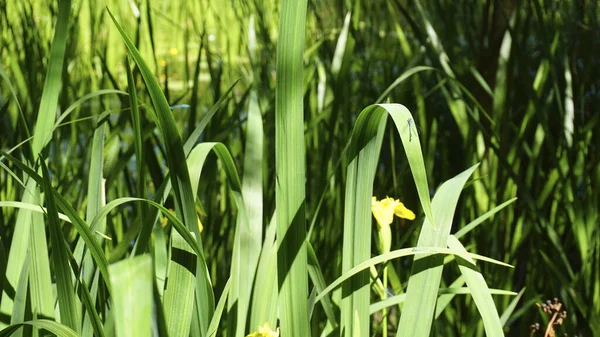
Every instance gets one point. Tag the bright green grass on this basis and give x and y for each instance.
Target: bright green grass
(267, 123)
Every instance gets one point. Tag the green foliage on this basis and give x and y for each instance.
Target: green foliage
(202, 168)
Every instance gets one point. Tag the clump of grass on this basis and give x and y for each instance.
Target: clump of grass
(113, 127)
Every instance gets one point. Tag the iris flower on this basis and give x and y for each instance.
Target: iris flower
(264, 331)
(384, 211)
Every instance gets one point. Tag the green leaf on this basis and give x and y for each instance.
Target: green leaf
(395, 300)
(53, 82)
(396, 254)
(69, 314)
(51, 326)
(471, 225)
(290, 168)
(179, 295)
(214, 323)
(264, 293)
(131, 294)
(419, 307)
(316, 276)
(511, 307)
(479, 290)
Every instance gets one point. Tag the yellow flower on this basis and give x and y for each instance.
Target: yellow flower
(384, 211)
(200, 227)
(264, 331)
(174, 51)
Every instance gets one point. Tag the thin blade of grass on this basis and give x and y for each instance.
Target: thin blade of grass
(457, 106)
(340, 47)
(193, 138)
(214, 323)
(52, 83)
(404, 76)
(479, 290)
(48, 325)
(31, 207)
(92, 325)
(316, 276)
(40, 279)
(511, 307)
(569, 104)
(395, 300)
(164, 190)
(78, 103)
(138, 141)
(502, 73)
(178, 224)
(397, 254)
(471, 225)
(69, 314)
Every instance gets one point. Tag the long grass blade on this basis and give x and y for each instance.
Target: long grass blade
(479, 290)
(214, 323)
(58, 329)
(247, 241)
(52, 83)
(397, 254)
(395, 300)
(292, 275)
(69, 314)
(264, 304)
(179, 295)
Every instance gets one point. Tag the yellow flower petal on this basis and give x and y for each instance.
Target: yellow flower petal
(200, 227)
(264, 331)
(164, 220)
(402, 212)
(384, 211)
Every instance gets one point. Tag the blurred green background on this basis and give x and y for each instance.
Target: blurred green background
(512, 84)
